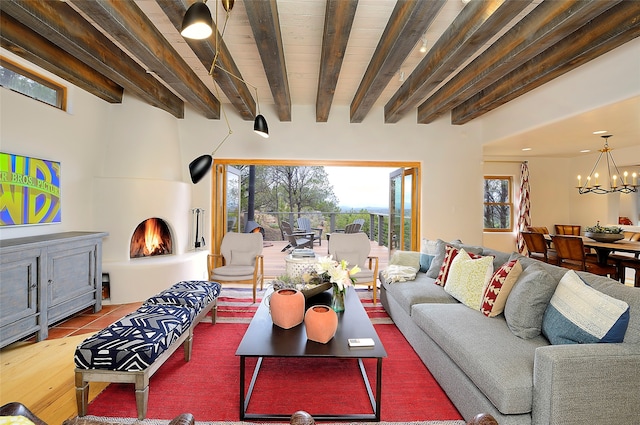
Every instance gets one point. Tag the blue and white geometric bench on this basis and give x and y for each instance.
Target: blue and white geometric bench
(132, 349)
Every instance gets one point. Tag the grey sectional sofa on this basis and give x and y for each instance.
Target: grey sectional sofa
(484, 367)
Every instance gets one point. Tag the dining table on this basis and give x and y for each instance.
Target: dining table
(603, 249)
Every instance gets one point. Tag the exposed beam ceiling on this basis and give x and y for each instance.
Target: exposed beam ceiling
(324, 52)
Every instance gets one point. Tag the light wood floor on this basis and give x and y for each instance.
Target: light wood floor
(40, 374)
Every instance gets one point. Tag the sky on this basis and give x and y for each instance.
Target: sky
(360, 187)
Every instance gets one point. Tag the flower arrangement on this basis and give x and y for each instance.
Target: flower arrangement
(337, 273)
(604, 229)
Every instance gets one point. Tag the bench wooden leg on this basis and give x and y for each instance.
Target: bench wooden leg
(188, 346)
(82, 394)
(142, 394)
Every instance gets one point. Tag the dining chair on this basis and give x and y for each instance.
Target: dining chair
(537, 247)
(355, 248)
(539, 229)
(571, 255)
(568, 229)
(240, 260)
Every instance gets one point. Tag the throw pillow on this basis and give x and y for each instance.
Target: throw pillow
(406, 258)
(579, 314)
(497, 291)
(242, 258)
(528, 300)
(429, 247)
(450, 255)
(438, 258)
(395, 273)
(467, 278)
(425, 262)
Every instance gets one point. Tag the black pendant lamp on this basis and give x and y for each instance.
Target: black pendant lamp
(260, 126)
(199, 167)
(197, 22)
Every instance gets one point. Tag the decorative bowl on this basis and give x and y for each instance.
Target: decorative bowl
(315, 290)
(604, 237)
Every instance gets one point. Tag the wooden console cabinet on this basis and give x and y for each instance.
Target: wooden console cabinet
(44, 279)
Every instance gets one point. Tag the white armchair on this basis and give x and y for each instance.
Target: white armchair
(355, 249)
(240, 260)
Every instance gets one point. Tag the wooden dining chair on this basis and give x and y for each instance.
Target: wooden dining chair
(538, 229)
(568, 229)
(537, 247)
(571, 255)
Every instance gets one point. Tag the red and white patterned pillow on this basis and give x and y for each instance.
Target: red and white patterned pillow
(498, 289)
(450, 254)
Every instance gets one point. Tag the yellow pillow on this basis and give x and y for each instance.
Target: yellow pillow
(468, 277)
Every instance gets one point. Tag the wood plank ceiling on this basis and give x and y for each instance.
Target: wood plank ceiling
(360, 53)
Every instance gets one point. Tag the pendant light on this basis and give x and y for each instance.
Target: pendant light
(614, 181)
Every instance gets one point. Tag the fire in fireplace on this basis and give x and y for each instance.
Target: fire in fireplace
(151, 237)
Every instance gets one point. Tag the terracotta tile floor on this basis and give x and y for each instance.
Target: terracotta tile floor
(87, 321)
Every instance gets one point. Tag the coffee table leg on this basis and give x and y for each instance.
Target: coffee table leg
(378, 388)
(242, 408)
(244, 402)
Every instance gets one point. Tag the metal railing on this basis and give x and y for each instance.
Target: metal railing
(376, 225)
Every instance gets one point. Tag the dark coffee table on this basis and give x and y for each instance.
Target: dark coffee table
(264, 339)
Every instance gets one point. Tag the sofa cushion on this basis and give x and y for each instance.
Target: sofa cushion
(579, 314)
(499, 287)
(421, 290)
(406, 258)
(528, 300)
(468, 277)
(498, 363)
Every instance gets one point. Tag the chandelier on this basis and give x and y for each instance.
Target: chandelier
(615, 182)
(198, 24)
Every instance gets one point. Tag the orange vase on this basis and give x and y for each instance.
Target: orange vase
(287, 308)
(321, 323)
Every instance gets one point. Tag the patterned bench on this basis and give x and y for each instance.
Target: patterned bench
(132, 349)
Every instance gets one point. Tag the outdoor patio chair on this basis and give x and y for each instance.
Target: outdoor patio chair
(355, 248)
(239, 261)
(304, 225)
(296, 239)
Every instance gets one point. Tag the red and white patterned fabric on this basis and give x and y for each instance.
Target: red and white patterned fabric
(497, 291)
(524, 217)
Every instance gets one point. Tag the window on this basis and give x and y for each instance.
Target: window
(498, 204)
(16, 78)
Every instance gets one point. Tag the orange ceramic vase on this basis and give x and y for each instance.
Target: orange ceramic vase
(287, 308)
(321, 323)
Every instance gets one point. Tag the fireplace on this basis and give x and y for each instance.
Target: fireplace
(152, 237)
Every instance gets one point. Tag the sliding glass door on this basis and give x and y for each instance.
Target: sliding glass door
(404, 197)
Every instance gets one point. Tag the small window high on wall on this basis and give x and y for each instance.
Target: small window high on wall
(18, 79)
(498, 204)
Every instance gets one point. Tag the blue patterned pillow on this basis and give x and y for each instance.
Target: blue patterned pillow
(579, 314)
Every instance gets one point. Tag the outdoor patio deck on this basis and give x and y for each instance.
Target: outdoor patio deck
(274, 264)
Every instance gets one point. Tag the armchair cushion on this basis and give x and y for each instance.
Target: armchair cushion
(242, 258)
(579, 314)
(233, 272)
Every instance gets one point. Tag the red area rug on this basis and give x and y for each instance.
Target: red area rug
(208, 387)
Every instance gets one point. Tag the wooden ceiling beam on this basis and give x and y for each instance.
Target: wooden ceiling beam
(407, 24)
(338, 19)
(235, 89)
(128, 25)
(263, 18)
(611, 29)
(62, 25)
(29, 45)
(547, 24)
(476, 24)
